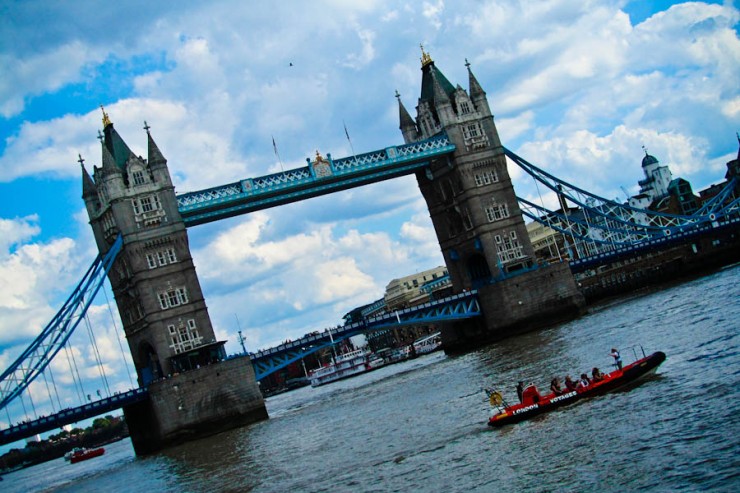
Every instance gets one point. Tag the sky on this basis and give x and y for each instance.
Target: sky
(577, 87)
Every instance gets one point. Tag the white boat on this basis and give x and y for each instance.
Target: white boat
(345, 365)
(428, 344)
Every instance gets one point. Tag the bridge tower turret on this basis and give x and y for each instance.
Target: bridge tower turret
(476, 215)
(161, 304)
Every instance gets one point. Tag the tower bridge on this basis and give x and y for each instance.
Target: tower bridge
(453, 148)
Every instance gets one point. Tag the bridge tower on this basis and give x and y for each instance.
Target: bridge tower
(477, 218)
(193, 390)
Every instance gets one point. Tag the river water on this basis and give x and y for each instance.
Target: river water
(421, 425)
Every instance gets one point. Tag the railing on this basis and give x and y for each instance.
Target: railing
(348, 171)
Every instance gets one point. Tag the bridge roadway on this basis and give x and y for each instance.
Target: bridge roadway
(456, 307)
(71, 415)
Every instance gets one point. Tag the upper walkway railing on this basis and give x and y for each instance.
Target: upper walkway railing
(318, 178)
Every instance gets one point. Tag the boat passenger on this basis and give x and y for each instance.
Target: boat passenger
(596, 375)
(520, 391)
(555, 386)
(584, 381)
(569, 383)
(617, 358)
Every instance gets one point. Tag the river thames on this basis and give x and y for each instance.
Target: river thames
(421, 425)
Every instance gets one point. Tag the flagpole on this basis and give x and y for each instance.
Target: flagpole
(274, 148)
(348, 139)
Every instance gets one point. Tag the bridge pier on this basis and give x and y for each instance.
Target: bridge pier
(529, 301)
(195, 404)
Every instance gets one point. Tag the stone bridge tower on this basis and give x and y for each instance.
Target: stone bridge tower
(192, 390)
(477, 218)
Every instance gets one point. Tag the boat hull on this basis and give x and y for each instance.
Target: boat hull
(87, 454)
(630, 374)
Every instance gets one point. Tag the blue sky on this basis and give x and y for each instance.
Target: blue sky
(577, 87)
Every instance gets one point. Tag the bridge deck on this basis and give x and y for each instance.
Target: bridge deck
(456, 307)
(71, 415)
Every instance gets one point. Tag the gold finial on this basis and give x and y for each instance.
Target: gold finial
(425, 58)
(106, 120)
(318, 156)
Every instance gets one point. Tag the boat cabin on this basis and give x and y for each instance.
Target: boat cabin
(530, 395)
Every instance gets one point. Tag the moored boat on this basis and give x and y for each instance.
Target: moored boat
(344, 365)
(533, 403)
(80, 454)
(428, 344)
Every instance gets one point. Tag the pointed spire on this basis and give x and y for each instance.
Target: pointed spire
(429, 74)
(154, 155)
(89, 190)
(475, 88)
(403, 115)
(109, 162)
(440, 96)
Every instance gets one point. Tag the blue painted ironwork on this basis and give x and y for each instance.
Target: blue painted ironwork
(602, 227)
(71, 415)
(253, 194)
(457, 307)
(36, 357)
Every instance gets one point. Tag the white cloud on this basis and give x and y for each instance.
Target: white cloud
(45, 72)
(433, 12)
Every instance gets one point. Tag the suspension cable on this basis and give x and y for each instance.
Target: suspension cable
(73, 370)
(96, 353)
(33, 406)
(54, 386)
(118, 338)
(557, 247)
(25, 411)
(51, 399)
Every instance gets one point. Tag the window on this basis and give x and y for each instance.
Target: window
(465, 107)
(161, 258)
(146, 204)
(486, 178)
(496, 212)
(508, 247)
(139, 178)
(151, 260)
(184, 336)
(467, 221)
(172, 297)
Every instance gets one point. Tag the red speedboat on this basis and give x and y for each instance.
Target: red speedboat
(80, 454)
(533, 403)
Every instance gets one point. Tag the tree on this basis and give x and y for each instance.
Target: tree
(100, 423)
